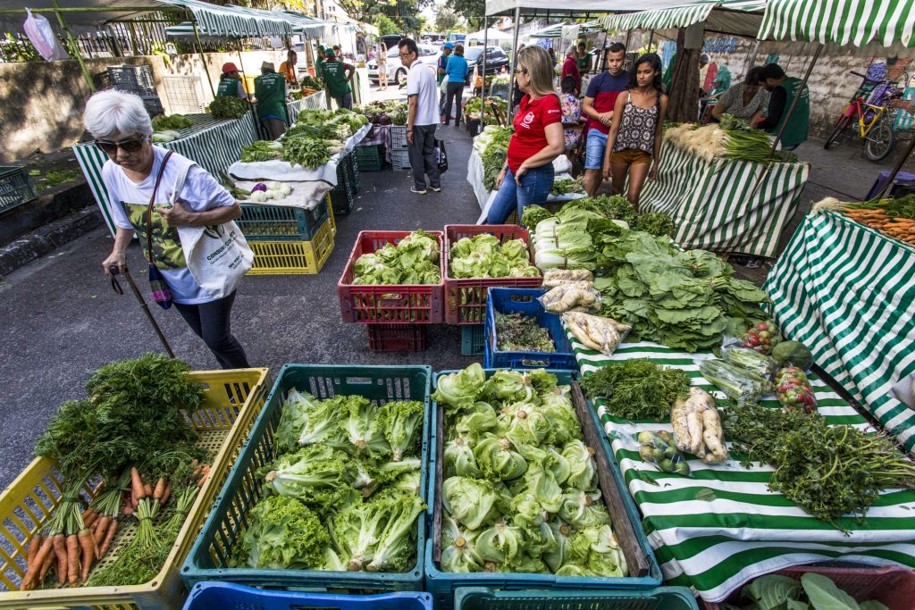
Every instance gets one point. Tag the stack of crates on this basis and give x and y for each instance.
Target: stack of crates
(15, 187)
(286, 240)
(400, 152)
(343, 196)
(139, 81)
(370, 158)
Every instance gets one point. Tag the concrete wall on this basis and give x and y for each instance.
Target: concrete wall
(831, 85)
(41, 103)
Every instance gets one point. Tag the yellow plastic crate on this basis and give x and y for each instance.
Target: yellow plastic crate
(293, 257)
(232, 401)
(330, 215)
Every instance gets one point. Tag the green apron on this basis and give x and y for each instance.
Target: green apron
(335, 78)
(228, 87)
(799, 123)
(270, 91)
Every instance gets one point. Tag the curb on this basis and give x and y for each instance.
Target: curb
(48, 238)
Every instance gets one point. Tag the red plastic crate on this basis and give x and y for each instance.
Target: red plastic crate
(465, 299)
(892, 586)
(397, 337)
(408, 304)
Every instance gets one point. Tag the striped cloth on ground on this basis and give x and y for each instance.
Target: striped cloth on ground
(722, 527)
(847, 292)
(718, 205)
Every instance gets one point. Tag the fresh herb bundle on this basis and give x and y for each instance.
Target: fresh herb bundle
(520, 333)
(637, 389)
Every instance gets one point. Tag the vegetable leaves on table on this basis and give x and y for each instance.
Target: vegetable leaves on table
(637, 389)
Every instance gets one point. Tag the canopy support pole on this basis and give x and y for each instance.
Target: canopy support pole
(203, 58)
(241, 65)
(650, 40)
(751, 56)
(514, 61)
(74, 47)
(790, 110)
(483, 88)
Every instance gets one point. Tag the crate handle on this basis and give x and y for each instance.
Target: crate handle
(535, 363)
(359, 380)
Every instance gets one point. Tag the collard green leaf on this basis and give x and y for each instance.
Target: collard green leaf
(772, 591)
(872, 605)
(825, 595)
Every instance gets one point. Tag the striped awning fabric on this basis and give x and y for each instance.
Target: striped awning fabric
(679, 16)
(234, 21)
(841, 22)
(722, 526)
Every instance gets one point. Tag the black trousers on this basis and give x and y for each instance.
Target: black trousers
(211, 322)
(453, 97)
(422, 157)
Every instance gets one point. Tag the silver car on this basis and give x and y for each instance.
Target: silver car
(396, 71)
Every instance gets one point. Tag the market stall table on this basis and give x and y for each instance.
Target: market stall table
(721, 526)
(213, 144)
(846, 291)
(315, 101)
(725, 205)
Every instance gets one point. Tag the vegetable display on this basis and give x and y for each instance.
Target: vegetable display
(517, 332)
(812, 592)
(829, 471)
(728, 140)
(892, 217)
(414, 260)
(133, 423)
(172, 121)
(495, 106)
(595, 332)
(660, 448)
(566, 186)
(519, 488)
(492, 146)
(697, 427)
(484, 256)
(637, 389)
(793, 390)
(736, 382)
(343, 493)
(794, 353)
(762, 337)
(228, 108)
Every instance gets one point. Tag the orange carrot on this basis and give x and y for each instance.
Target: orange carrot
(109, 536)
(127, 510)
(88, 547)
(72, 559)
(136, 484)
(89, 516)
(101, 528)
(60, 551)
(34, 545)
(46, 566)
(160, 489)
(166, 494)
(147, 490)
(28, 581)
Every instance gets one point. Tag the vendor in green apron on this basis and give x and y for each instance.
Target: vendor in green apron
(319, 62)
(337, 76)
(784, 90)
(230, 84)
(270, 91)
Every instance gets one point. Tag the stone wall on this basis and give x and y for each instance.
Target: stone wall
(41, 103)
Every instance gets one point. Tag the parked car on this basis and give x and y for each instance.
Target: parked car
(496, 59)
(390, 41)
(396, 71)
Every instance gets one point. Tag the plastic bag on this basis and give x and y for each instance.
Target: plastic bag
(570, 296)
(595, 332)
(42, 36)
(793, 390)
(749, 360)
(762, 337)
(660, 449)
(738, 384)
(558, 277)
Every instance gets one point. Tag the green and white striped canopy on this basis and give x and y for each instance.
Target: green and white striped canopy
(235, 21)
(730, 16)
(841, 22)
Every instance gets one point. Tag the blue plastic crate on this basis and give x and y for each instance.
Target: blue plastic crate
(662, 598)
(524, 300)
(226, 596)
(262, 222)
(623, 512)
(208, 559)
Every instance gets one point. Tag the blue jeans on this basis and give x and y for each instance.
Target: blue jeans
(535, 188)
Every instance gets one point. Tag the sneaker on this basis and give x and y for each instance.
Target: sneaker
(435, 189)
(413, 189)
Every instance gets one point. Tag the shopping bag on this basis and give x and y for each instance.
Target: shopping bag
(441, 156)
(217, 256)
(41, 35)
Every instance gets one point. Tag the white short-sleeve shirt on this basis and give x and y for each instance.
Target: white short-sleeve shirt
(421, 82)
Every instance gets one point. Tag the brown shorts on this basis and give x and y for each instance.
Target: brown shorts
(630, 156)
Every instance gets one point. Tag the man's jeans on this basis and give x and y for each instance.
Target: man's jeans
(422, 157)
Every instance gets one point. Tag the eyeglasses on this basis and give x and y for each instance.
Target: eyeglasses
(128, 146)
(406, 53)
(520, 70)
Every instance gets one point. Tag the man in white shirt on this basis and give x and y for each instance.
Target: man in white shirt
(422, 119)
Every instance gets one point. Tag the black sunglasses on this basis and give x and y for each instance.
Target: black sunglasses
(130, 146)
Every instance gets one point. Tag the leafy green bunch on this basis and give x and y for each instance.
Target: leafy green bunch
(413, 260)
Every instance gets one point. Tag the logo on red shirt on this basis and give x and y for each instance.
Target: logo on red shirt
(527, 120)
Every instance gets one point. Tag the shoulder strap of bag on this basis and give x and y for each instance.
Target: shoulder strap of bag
(152, 202)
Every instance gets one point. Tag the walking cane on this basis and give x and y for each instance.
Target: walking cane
(116, 286)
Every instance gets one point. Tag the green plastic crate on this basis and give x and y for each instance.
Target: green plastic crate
(208, 559)
(444, 585)
(473, 340)
(370, 158)
(281, 223)
(662, 598)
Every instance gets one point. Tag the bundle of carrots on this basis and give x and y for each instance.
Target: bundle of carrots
(896, 227)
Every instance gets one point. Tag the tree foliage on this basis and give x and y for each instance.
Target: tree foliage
(472, 10)
(446, 20)
(386, 25)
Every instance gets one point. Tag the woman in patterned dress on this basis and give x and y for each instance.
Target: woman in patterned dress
(634, 142)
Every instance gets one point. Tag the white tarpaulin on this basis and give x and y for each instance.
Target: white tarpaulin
(507, 7)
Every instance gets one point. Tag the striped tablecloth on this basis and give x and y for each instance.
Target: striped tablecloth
(315, 101)
(212, 144)
(719, 207)
(847, 292)
(721, 526)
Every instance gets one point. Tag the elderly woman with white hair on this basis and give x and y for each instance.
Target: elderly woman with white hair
(141, 180)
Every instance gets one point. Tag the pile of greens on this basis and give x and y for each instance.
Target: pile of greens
(492, 146)
(829, 471)
(137, 412)
(343, 492)
(333, 118)
(228, 108)
(484, 256)
(473, 109)
(414, 260)
(565, 186)
(310, 153)
(172, 121)
(812, 592)
(519, 487)
(262, 150)
(516, 332)
(637, 389)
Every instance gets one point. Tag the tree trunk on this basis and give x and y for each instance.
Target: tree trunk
(684, 86)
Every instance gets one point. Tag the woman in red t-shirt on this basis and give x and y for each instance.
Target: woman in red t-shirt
(527, 176)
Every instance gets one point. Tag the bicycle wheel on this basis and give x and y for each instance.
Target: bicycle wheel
(880, 141)
(841, 126)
